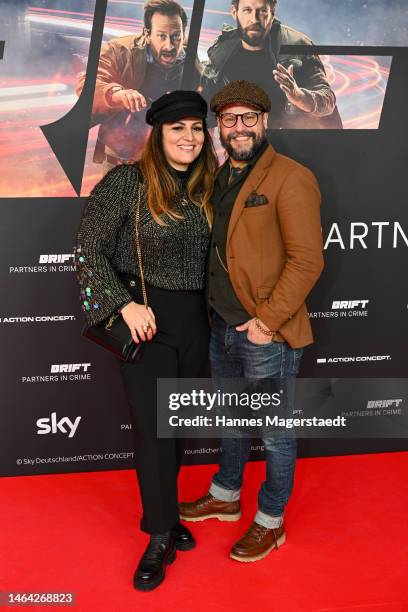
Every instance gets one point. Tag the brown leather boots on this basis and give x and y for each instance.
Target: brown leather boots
(208, 507)
(255, 544)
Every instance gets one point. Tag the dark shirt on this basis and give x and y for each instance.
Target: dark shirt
(182, 177)
(159, 80)
(220, 292)
(256, 66)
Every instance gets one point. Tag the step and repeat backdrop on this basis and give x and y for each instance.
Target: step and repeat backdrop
(62, 405)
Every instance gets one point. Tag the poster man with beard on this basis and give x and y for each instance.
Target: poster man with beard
(134, 71)
(297, 85)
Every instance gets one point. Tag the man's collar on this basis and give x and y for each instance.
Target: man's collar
(149, 55)
(230, 41)
(253, 159)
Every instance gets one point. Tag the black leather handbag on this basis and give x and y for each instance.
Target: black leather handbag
(113, 333)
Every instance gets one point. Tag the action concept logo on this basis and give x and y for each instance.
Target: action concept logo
(38, 319)
(354, 358)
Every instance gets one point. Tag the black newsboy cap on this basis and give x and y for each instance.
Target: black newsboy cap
(176, 105)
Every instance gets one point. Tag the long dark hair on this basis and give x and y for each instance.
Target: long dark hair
(161, 185)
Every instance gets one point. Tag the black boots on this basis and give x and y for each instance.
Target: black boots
(160, 552)
(183, 538)
(151, 570)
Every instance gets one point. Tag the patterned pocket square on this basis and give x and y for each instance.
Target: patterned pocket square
(255, 199)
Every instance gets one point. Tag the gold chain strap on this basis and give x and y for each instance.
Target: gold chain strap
(219, 257)
(138, 249)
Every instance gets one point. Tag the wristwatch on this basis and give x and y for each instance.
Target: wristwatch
(112, 91)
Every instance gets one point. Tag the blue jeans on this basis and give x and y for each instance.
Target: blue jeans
(232, 355)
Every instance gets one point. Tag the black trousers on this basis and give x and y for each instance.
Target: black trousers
(179, 349)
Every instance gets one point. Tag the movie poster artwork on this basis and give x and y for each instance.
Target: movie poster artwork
(46, 45)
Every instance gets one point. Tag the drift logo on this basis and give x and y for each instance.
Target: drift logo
(384, 403)
(64, 425)
(349, 304)
(56, 258)
(57, 262)
(343, 309)
(57, 368)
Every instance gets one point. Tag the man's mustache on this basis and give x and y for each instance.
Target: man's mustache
(168, 53)
(235, 134)
(255, 28)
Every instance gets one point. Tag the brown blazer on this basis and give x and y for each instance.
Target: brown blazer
(275, 250)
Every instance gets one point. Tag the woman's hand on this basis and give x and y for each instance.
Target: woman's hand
(140, 320)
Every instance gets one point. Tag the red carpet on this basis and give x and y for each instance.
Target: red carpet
(346, 547)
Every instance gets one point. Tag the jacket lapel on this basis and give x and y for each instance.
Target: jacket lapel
(223, 48)
(274, 40)
(254, 178)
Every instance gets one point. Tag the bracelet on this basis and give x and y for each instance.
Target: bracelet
(112, 91)
(267, 332)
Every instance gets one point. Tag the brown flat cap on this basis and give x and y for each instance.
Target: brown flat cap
(241, 92)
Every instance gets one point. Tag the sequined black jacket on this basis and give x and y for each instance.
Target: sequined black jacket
(173, 255)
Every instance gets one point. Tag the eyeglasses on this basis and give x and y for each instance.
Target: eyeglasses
(248, 119)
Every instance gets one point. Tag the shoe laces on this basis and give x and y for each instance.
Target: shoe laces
(204, 501)
(257, 532)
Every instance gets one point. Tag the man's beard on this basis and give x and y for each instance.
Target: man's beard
(245, 154)
(252, 41)
(167, 54)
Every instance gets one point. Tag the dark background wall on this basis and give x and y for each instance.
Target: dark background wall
(50, 372)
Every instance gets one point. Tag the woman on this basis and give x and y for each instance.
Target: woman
(176, 176)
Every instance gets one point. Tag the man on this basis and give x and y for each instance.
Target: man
(297, 86)
(265, 257)
(134, 71)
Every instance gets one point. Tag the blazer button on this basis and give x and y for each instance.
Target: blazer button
(132, 283)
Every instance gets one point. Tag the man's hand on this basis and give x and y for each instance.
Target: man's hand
(130, 99)
(299, 97)
(254, 333)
